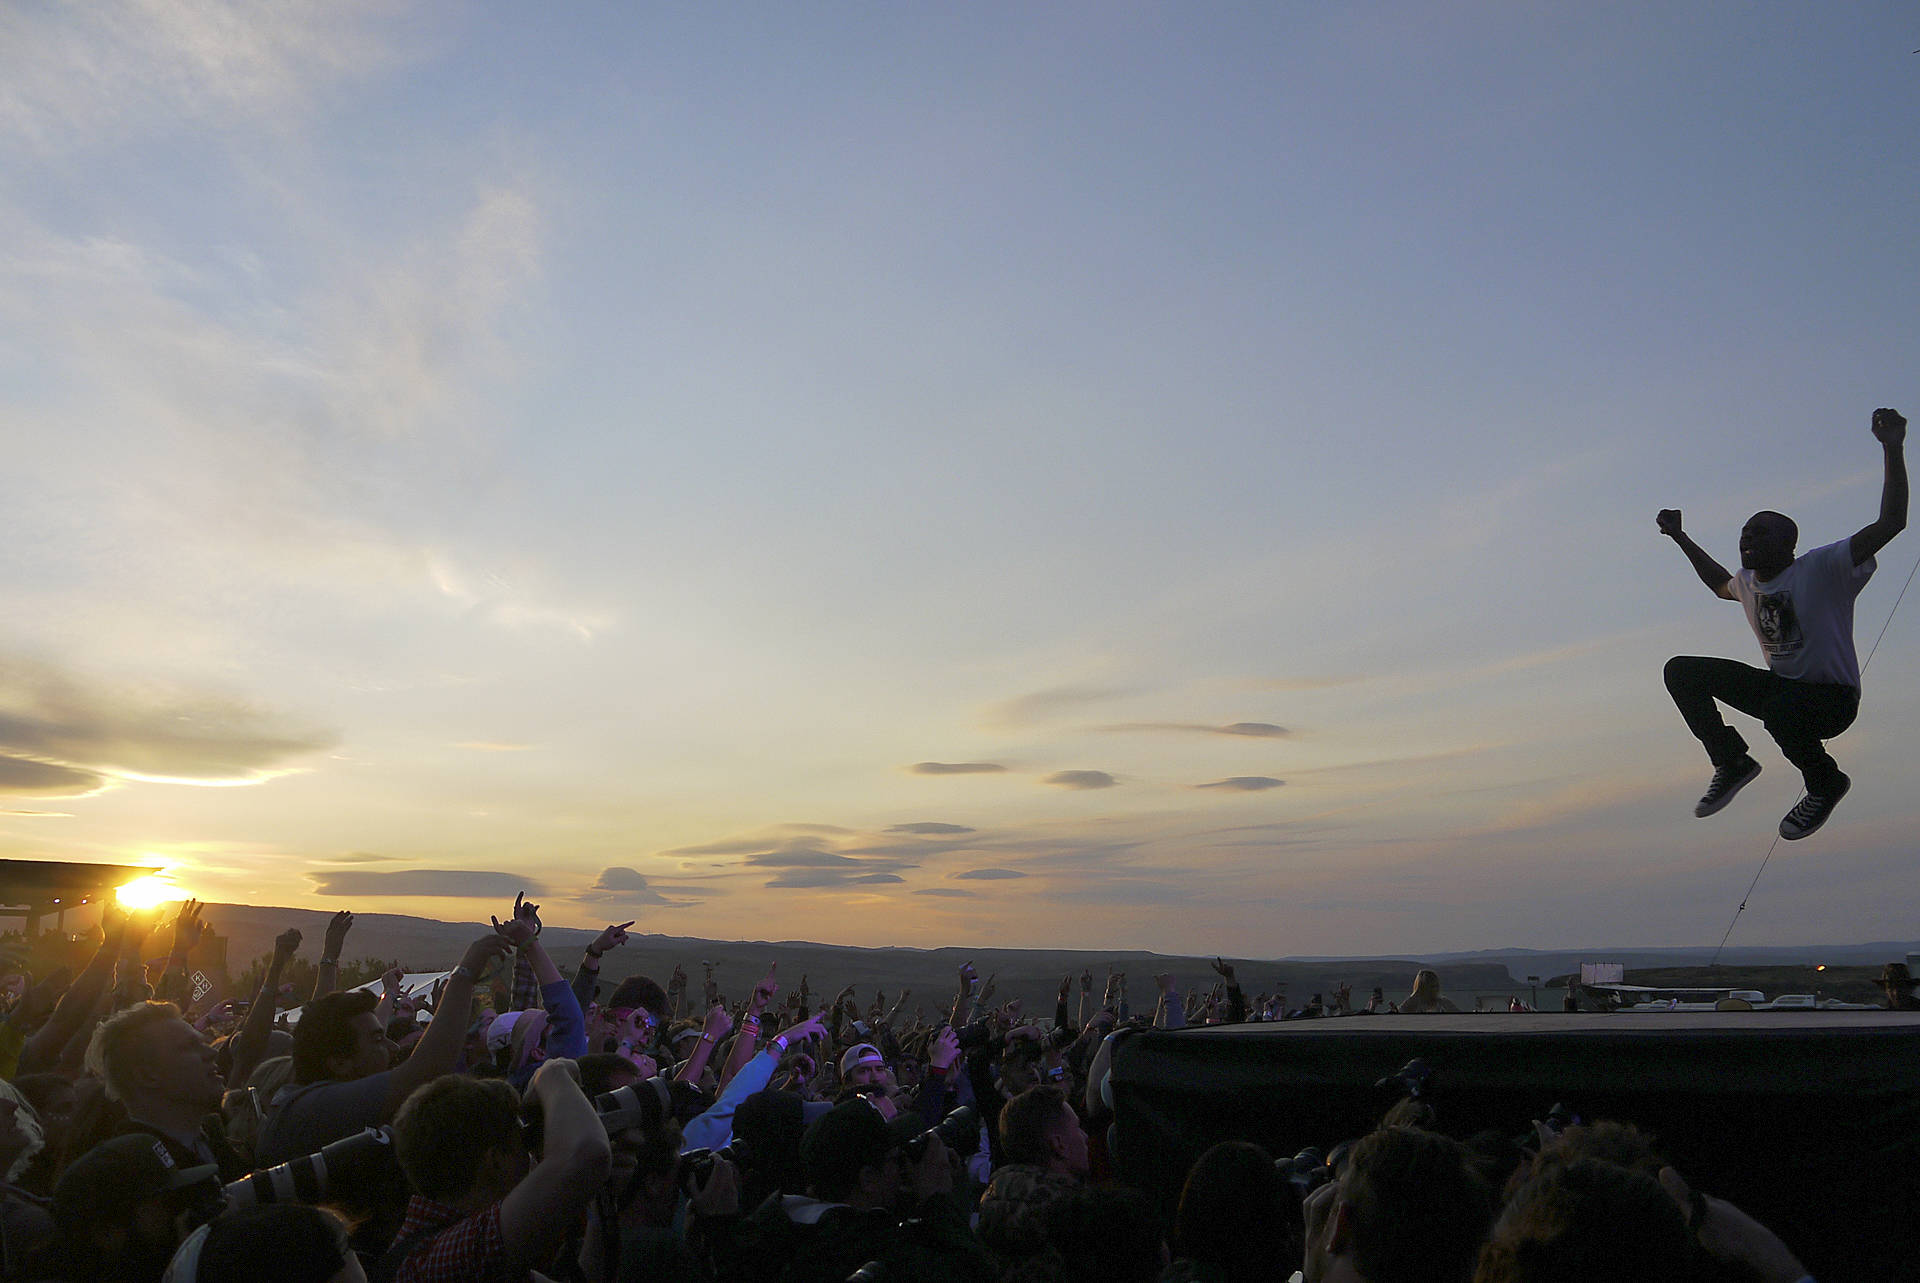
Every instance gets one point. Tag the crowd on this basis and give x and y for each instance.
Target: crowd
(646, 1134)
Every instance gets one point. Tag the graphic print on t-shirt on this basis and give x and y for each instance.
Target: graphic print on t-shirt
(1779, 627)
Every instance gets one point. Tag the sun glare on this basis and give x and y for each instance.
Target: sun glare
(144, 893)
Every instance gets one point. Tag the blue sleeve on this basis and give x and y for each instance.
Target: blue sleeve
(714, 1129)
(567, 1028)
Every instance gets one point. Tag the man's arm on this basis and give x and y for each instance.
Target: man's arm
(1712, 573)
(439, 1048)
(586, 976)
(747, 1042)
(251, 1042)
(327, 978)
(1890, 430)
(574, 1159)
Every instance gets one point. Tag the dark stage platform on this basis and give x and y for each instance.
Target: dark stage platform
(1810, 1120)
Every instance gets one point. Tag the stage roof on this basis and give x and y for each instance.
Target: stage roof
(41, 882)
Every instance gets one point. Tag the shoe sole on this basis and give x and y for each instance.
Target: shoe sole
(1818, 824)
(1703, 809)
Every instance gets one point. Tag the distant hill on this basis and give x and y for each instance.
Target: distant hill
(1031, 974)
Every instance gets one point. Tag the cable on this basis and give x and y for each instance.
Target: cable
(1776, 837)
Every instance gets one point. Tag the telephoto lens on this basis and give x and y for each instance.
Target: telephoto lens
(959, 1131)
(359, 1161)
(645, 1104)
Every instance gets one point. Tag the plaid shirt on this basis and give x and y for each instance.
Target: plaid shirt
(526, 990)
(450, 1246)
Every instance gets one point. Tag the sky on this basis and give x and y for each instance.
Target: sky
(1081, 475)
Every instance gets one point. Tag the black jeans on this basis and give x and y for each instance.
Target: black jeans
(1797, 714)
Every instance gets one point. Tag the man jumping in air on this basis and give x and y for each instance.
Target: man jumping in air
(1801, 609)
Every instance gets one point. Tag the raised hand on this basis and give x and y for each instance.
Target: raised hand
(968, 977)
(1066, 987)
(612, 938)
(523, 926)
(285, 945)
(677, 982)
(986, 990)
(187, 927)
(1668, 519)
(482, 953)
(764, 991)
(814, 1026)
(719, 1023)
(1225, 969)
(944, 1049)
(1889, 427)
(390, 979)
(337, 934)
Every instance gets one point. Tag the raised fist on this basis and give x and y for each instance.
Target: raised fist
(1889, 427)
(1668, 519)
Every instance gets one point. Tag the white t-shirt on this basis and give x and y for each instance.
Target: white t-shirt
(1803, 616)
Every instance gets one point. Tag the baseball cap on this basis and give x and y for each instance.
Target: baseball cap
(861, 1053)
(108, 1181)
(500, 1032)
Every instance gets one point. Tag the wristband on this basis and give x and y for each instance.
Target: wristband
(780, 1041)
(596, 954)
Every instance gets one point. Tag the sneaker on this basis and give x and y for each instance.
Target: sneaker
(1727, 780)
(1812, 812)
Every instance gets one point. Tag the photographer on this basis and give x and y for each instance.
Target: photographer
(121, 1209)
(869, 1202)
(479, 1211)
(163, 1075)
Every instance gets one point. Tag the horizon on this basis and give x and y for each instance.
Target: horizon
(1094, 478)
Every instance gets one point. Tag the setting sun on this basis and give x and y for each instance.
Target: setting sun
(144, 893)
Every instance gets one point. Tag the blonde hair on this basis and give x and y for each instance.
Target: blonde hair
(115, 1051)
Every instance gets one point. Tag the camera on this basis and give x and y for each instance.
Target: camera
(646, 1104)
(977, 1034)
(959, 1131)
(358, 1162)
(696, 1167)
(1413, 1079)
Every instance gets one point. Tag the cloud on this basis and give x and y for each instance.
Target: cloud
(1257, 730)
(931, 829)
(802, 856)
(461, 884)
(25, 777)
(63, 734)
(1044, 704)
(619, 884)
(359, 857)
(72, 73)
(1244, 783)
(815, 878)
(956, 768)
(990, 875)
(63, 815)
(1081, 780)
(950, 892)
(494, 746)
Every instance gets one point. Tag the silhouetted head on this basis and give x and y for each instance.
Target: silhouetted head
(1766, 543)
